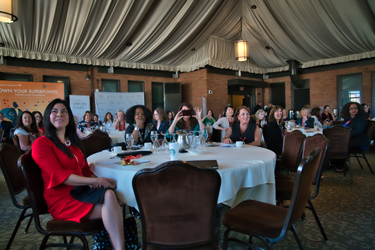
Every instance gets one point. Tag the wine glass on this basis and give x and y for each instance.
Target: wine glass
(155, 143)
(165, 145)
(204, 135)
(129, 140)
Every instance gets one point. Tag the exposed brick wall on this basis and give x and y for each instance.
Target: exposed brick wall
(323, 85)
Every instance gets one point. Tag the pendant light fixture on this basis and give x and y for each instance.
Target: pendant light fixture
(7, 9)
(241, 48)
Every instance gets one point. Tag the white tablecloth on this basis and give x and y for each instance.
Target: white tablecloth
(246, 173)
(117, 137)
(309, 131)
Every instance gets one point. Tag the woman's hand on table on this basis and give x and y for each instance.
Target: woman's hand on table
(227, 141)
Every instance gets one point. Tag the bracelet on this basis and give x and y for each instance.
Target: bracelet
(136, 128)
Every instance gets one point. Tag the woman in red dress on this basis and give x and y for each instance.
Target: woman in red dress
(63, 166)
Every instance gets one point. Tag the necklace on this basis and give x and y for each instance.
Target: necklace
(67, 142)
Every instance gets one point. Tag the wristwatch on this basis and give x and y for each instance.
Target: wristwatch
(136, 128)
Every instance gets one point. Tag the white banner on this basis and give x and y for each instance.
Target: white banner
(79, 104)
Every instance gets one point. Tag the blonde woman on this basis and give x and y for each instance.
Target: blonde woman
(260, 118)
(120, 123)
(305, 120)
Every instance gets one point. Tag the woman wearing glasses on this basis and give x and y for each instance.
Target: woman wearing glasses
(243, 129)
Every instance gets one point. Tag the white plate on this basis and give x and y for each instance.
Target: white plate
(122, 151)
(197, 151)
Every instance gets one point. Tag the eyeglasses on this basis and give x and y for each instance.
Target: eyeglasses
(353, 108)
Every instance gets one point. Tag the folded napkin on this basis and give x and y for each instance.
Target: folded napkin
(135, 153)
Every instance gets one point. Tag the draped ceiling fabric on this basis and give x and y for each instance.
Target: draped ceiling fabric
(185, 35)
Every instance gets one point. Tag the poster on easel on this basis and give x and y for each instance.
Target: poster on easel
(79, 104)
(17, 96)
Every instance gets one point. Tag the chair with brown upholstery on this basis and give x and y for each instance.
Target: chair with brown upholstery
(284, 188)
(268, 222)
(177, 202)
(96, 142)
(35, 188)
(292, 153)
(9, 155)
(216, 135)
(338, 137)
(359, 152)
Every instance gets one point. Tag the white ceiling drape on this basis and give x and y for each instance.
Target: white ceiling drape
(184, 35)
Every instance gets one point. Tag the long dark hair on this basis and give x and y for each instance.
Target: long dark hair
(33, 127)
(130, 114)
(271, 117)
(162, 115)
(345, 110)
(70, 130)
(170, 112)
(41, 124)
(105, 117)
(316, 111)
(192, 120)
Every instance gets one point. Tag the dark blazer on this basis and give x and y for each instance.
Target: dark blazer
(144, 133)
(357, 125)
(164, 126)
(274, 138)
(308, 124)
(324, 117)
(7, 126)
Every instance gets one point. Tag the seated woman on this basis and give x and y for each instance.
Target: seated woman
(316, 114)
(243, 130)
(190, 123)
(275, 130)
(26, 130)
(87, 122)
(285, 116)
(160, 121)
(39, 122)
(327, 115)
(79, 133)
(140, 124)
(304, 120)
(63, 166)
(354, 117)
(108, 121)
(225, 122)
(120, 123)
(367, 111)
(96, 120)
(170, 116)
(260, 119)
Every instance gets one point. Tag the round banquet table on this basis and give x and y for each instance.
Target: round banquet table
(117, 137)
(246, 173)
(308, 132)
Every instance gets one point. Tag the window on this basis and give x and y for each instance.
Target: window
(62, 79)
(109, 85)
(349, 89)
(157, 95)
(16, 77)
(135, 86)
(278, 94)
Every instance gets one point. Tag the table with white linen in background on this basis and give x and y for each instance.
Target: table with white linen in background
(308, 132)
(246, 173)
(117, 137)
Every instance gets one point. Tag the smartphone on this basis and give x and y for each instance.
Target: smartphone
(188, 112)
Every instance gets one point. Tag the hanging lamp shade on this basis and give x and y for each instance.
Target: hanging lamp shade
(6, 11)
(241, 49)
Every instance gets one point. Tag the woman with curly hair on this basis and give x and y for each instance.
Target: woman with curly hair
(87, 122)
(189, 123)
(140, 124)
(354, 118)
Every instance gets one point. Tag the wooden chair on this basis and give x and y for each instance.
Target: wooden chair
(268, 222)
(284, 189)
(338, 137)
(35, 188)
(96, 142)
(292, 153)
(9, 155)
(359, 152)
(177, 202)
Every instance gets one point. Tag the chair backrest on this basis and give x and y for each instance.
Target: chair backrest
(14, 138)
(370, 131)
(96, 142)
(35, 187)
(9, 155)
(311, 143)
(338, 137)
(216, 135)
(301, 190)
(1, 135)
(264, 131)
(292, 150)
(177, 202)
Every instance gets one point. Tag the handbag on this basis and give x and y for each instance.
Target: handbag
(101, 240)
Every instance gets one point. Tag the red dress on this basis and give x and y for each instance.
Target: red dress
(56, 167)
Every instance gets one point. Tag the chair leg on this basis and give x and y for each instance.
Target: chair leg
(20, 219)
(356, 156)
(368, 164)
(28, 225)
(293, 229)
(225, 239)
(311, 207)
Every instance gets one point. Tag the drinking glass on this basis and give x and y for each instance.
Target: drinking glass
(164, 145)
(155, 143)
(129, 140)
(204, 135)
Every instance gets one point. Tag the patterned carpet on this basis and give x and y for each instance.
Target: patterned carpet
(346, 211)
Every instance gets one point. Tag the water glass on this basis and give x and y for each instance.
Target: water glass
(129, 140)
